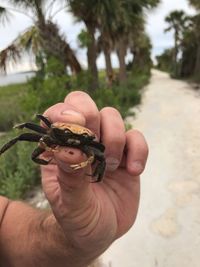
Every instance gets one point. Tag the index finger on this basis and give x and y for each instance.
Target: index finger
(86, 106)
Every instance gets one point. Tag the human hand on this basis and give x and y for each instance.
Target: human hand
(93, 215)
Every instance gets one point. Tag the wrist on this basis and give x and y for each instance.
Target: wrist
(89, 230)
(60, 244)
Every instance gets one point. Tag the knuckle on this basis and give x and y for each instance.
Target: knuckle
(135, 132)
(50, 112)
(115, 146)
(117, 141)
(76, 94)
(111, 111)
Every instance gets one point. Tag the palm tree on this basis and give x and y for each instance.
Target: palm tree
(130, 14)
(113, 19)
(196, 4)
(44, 33)
(176, 20)
(97, 15)
(105, 44)
(189, 46)
(106, 25)
(85, 10)
(142, 53)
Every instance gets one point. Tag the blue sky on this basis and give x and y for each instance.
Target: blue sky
(155, 28)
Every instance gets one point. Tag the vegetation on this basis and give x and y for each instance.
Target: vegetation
(18, 173)
(111, 26)
(185, 55)
(114, 26)
(177, 22)
(10, 105)
(164, 61)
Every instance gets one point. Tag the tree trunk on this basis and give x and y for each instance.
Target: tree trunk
(92, 56)
(55, 45)
(121, 52)
(176, 54)
(71, 58)
(109, 69)
(197, 63)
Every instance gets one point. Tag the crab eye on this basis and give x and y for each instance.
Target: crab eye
(85, 135)
(73, 142)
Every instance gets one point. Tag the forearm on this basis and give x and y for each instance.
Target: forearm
(29, 237)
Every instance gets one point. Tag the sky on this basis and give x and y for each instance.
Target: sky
(155, 28)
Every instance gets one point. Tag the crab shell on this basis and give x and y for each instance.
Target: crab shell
(74, 128)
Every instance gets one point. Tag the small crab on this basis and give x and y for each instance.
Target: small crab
(62, 135)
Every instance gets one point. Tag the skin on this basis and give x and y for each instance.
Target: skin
(86, 217)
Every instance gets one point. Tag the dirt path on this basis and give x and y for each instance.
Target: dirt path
(167, 231)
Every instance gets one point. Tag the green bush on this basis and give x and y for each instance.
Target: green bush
(18, 173)
(46, 90)
(122, 97)
(10, 105)
(42, 94)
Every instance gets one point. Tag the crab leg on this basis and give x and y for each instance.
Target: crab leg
(31, 126)
(38, 151)
(90, 159)
(99, 171)
(31, 137)
(44, 119)
(100, 167)
(97, 145)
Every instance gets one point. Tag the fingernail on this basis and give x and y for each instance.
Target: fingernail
(112, 164)
(70, 112)
(73, 116)
(137, 167)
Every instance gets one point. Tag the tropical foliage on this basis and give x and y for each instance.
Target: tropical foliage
(177, 21)
(110, 26)
(42, 38)
(185, 55)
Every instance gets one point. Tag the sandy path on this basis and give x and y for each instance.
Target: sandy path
(167, 231)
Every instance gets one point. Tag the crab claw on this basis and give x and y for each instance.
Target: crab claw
(82, 164)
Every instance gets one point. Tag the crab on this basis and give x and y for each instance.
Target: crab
(57, 135)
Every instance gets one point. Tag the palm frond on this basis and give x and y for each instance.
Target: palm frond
(29, 7)
(5, 15)
(29, 41)
(168, 29)
(9, 54)
(23, 3)
(195, 4)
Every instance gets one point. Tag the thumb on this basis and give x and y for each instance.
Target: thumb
(68, 191)
(73, 168)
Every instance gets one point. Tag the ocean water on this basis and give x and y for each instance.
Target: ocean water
(15, 78)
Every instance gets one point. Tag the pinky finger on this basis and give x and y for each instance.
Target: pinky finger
(136, 152)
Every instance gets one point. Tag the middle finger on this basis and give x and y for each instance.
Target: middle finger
(112, 136)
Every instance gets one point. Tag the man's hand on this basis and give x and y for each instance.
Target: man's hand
(93, 215)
